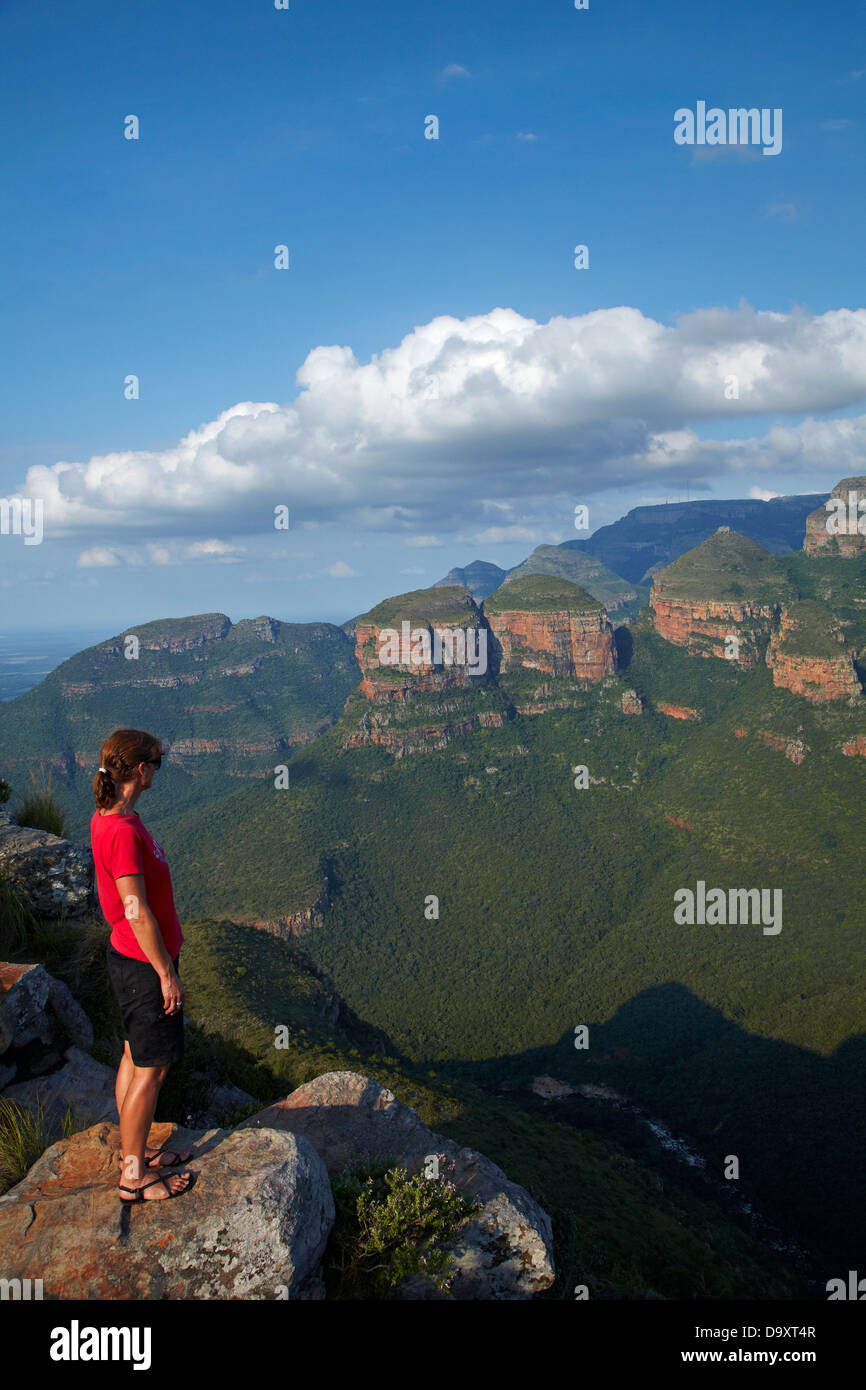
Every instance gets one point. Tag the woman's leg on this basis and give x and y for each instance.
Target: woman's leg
(136, 1118)
(124, 1076)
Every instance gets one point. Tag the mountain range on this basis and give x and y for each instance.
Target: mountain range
(486, 864)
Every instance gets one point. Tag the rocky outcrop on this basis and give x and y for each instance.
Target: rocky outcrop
(631, 702)
(33, 1005)
(421, 642)
(503, 1251)
(856, 747)
(55, 875)
(420, 736)
(839, 527)
(808, 656)
(704, 625)
(577, 645)
(39, 1019)
(726, 588)
(301, 922)
(548, 1088)
(678, 711)
(81, 1084)
(254, 1223)
(794, 749)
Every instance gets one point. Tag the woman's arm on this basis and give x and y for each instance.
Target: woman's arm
(133, 895)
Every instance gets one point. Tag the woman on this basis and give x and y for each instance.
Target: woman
(135, 894)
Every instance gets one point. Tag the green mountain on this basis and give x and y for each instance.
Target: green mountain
(726, 566)
(541, 592)
(647, 538)
(480, 578)
(585, 570)
(230, 698)
(484, 901)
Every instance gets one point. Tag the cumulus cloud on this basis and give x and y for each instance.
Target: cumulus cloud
(494, 410)
(340, 570)
(98, 557)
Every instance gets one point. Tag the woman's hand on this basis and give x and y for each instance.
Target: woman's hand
(172, 991)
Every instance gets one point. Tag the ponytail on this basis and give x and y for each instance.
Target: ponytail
(121, 753)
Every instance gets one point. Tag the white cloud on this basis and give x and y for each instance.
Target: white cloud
(526, 412)
(787, 211)
(455, 70)
(498, 535)
(413, 569)
(97, 557)
(525, 135)
(211, 549)
(340, 570)
(762, 494)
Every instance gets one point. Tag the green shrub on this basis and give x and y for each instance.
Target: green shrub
(40, 811)
(389, 1225)
(5, 791)
(17, 922)
(25, 1134)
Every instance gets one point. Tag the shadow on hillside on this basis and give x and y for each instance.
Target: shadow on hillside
(795, 1119)
(624, 643)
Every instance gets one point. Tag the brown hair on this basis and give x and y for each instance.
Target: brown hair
(121, 753)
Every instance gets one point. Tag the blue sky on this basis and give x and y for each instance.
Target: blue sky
(305, 127)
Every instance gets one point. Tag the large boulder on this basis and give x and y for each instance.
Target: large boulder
(503, 1251)
(56, 876)
(82, 1085)
(36, 1008)
(254, 1224)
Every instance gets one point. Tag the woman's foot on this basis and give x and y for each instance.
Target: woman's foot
(156, 1189)
(168, 1158)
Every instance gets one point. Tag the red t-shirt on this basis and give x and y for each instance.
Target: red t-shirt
(122, 845)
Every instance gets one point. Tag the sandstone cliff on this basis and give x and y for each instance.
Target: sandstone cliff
(545, 623)
(727, 588)
(839, 527)
(808, 655)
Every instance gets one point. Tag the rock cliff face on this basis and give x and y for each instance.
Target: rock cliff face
(704, 625)
(544, 623)
(424, 734)
(808, 655)
(420, 642)
(56, 875)
(726, 588)
(579, 645)
(302, 922)
(427, 676)
(839, 527)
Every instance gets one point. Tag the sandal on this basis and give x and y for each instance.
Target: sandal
(177, 1161)
(125, 1201)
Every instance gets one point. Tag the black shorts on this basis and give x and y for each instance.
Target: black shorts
(155, 1038)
